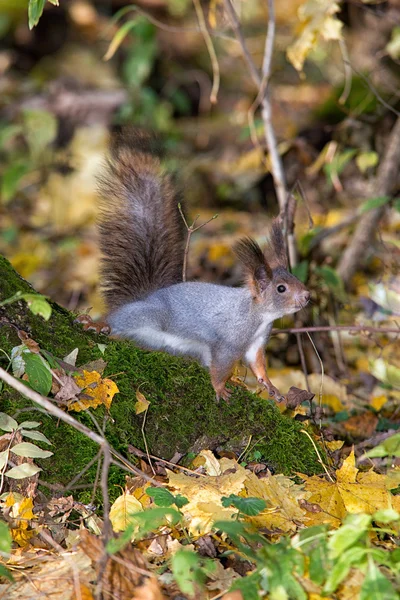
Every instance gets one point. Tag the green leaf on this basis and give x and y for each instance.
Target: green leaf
(8, 132)
(389, 447)
(38, 305)
(5, 538)
(119, 38)
(29, 425)
(367, 160)
(341, 568)
(376, 585)
(22, 471)
(248, 506)
(17, 360)
(137, 68)
(181, 500)
(332, 280)
(7, 423)
(161, 496)
(11, 178)
(348, 534)
(373, 203)
(39, 375)
(393, 47)
(386, 515)
(238, 532)
(30, 450)
(40, 128)
(334, 168)
(3, 458)
(4, 572)
(35, 10)
(248, 585)
(35, 435)
(301, 271)
(186, 569)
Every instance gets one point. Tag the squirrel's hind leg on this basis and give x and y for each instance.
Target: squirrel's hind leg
(219, 376)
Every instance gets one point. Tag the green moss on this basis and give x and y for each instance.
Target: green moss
(183, 413)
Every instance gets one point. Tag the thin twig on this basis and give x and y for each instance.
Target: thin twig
(318, 454)
(211, 51)
(190, 230)
(355, 328)
(321, 387)
(240, 38)
(145, 441)
(348, 79)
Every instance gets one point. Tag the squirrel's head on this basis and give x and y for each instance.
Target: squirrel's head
(267, 275)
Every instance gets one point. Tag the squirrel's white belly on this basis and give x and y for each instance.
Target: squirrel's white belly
(259, 340)
(174, 344)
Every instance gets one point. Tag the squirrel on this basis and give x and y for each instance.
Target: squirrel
(142, 243)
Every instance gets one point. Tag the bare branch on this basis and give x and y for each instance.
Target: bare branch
(385, 181)
(262, 81)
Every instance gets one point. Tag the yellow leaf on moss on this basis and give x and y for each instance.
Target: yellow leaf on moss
(141, 404)
(95, 390)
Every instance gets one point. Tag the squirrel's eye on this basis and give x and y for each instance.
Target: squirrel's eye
(281, 288)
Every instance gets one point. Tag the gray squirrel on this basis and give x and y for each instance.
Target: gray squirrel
(142, 243)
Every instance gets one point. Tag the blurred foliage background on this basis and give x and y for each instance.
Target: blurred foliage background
(89, 67)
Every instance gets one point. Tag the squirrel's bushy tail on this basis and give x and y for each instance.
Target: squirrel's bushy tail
(141, 230)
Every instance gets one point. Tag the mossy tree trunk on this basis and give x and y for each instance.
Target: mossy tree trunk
(183, 414)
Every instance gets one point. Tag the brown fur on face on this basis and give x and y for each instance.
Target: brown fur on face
(141, 230)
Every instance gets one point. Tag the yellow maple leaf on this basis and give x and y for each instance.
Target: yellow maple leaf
(326, 495)
(352, 492)
(281, 495)
(317, 20)
(96, 390)
(204, 495)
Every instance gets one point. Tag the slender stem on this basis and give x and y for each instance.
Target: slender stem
(211, 51)
(355, 328)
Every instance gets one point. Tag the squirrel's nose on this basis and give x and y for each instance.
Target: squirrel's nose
(306, 297)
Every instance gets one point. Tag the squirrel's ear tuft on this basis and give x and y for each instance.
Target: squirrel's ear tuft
(276, 253)
(257, 270)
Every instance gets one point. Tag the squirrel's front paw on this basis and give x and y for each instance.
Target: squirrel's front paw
(272, 390)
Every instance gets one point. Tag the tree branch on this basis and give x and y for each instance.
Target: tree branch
(383, 186)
